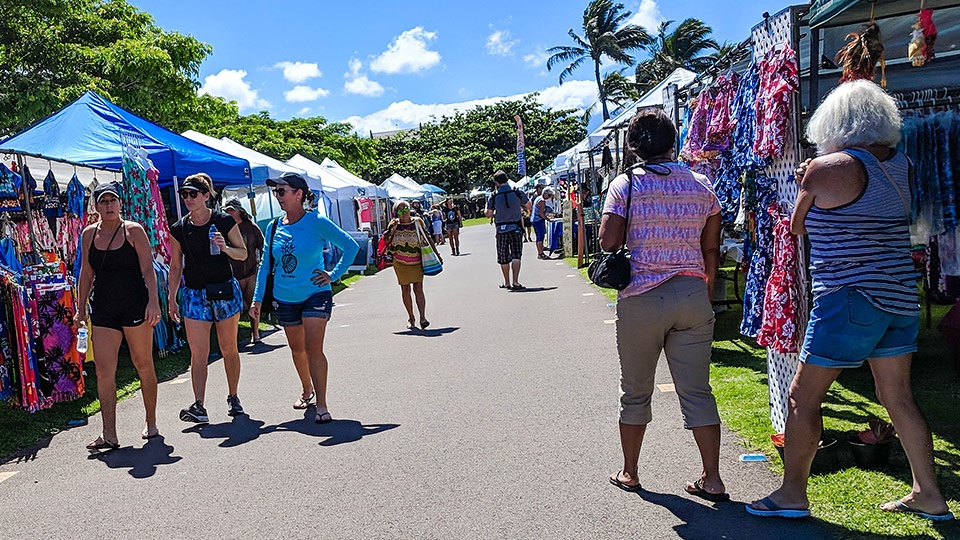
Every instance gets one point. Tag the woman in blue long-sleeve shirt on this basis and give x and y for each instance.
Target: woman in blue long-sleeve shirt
(303, 298)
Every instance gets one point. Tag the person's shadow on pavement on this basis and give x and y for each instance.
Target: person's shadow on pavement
(142, 462)
(703, 519)
(239, 430)
(532, 289)
(339, 431)
(430, 332)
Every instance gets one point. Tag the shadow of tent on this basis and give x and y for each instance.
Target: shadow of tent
(339, 431)
(142, 462)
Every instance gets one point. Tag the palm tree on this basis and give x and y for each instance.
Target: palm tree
(602, 37)
(620, 90)
(681, 48)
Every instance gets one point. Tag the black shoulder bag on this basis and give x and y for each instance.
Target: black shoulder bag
(266, 305)
(215, 291)
(612, 270)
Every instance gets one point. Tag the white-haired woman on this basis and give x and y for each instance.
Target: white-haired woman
(543, 213)
(854, 205)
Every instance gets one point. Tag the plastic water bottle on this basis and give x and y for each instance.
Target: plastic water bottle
(214, 249)
(82, 339)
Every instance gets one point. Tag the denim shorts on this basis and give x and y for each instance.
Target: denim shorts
(194, 304)
(846, 329)
(292, 314)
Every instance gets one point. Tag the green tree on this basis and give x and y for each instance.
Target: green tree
(603, 37)
(620, 91)
(686, 46)
(462, 151)
(51, 51)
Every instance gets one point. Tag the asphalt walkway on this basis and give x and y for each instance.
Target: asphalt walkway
(498, 422)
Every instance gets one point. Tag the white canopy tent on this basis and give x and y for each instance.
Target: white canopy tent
(261, 203)
(348, 185)
(399, 187)
(566, 161)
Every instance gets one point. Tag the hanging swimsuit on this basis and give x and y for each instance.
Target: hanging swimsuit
(119, 292)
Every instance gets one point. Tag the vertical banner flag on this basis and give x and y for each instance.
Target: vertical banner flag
(521, 154)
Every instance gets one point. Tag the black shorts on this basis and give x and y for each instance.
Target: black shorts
(526, 222)
(117, 315)
(509, 246)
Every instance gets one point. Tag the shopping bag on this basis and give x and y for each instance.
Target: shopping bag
(428, 257)
(384, 257)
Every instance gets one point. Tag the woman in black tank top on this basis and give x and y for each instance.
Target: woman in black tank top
(119, 270)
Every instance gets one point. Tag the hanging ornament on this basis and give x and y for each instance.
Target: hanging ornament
(860, 55)
(924, 36)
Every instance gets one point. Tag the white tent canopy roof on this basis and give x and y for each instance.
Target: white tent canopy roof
(399, 187)
(262, 166)
(567, 159)
(334, 173)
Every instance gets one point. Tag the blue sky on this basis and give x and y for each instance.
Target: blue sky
(385, 65)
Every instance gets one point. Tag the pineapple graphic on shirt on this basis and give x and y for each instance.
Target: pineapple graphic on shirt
(288, 261)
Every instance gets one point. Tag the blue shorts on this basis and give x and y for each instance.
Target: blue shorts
(319, 305)
(540, 229)
(846, 329)
(194, 304)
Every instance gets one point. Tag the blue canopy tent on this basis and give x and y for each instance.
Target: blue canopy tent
(433, 189)
(93, 131)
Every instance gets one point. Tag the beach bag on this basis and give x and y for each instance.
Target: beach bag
(428, 257)
(384, 257)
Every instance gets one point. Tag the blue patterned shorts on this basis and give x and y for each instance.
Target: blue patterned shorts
(194, 304)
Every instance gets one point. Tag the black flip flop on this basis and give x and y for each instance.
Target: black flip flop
(324, 418)
(704, 494)
(518, 287)
(102, 445)
(615, 480)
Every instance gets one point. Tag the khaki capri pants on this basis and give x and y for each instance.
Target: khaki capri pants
(677, 319)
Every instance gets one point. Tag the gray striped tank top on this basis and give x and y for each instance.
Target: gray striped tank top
(866, 244)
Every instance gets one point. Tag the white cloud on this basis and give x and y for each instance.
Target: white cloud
(537, 60)
(304, 111)
(230, 84)
(406, 114)
(363, 86)
(647, 15)
(500, 44)
(301, 93)
(298, 72)
(359, 83)
(408, 53)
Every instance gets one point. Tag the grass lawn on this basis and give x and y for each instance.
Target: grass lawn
(848, 497)
(19, 429)
(476, 221)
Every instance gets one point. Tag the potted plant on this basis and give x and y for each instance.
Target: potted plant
(824, 460)
(871, 447)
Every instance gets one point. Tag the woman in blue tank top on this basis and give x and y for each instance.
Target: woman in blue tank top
(854, 206)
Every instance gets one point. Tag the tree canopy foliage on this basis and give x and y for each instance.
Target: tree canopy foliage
(684, 46)
(51, 51)
(462, 151)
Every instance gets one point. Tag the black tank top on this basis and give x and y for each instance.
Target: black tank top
(117, 278)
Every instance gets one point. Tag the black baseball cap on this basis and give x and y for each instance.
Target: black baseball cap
(109, 187)
(235, 204)
(291, 179)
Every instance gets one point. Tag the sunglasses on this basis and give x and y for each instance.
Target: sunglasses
(403, 210)
(280, 192)
(185, 193)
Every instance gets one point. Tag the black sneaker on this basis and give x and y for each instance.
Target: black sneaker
(196, 413)
(234, 403)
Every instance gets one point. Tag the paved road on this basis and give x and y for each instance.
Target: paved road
(500, 422)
